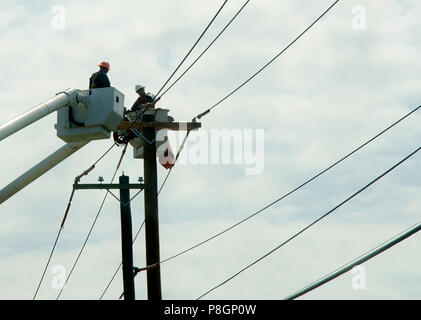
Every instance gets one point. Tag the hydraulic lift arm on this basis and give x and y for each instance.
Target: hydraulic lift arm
(63, 99)
(98, 112)
(38, 170)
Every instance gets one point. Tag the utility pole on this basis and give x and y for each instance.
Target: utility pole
(126, 239)
(126, 226)
(151, 122)
(151, 212)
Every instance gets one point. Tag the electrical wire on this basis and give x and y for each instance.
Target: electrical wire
(93, 225)
(285, 195)
(386, 245)
(48, 262)
(65, 216)
(239, 87)
(313, 223)
(197, 41)
(204, 51)
(267, 64)
(105, 153)
(295, 189)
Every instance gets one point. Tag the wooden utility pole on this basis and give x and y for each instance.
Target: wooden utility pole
(151, 212)
(148, 127)
(126, 239)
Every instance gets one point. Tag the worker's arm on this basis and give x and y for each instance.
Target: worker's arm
(150, 105)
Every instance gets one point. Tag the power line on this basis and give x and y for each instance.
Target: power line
(93, 224)
(313, 223)
(65, 216)
(358, 261)
(106, 152)
(295, 189)
(204, 51)
(48, 262)
(277, 200)
(208, 110)
(197, 41)
(267, 64)
(285, 195)
(199, 116)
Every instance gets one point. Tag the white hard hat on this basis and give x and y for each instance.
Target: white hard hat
(138, 87)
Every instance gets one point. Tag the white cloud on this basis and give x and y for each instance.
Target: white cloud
(333, 90)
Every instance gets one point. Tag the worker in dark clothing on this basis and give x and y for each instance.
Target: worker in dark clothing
(143, 99)
(143, 102)
(100, 79)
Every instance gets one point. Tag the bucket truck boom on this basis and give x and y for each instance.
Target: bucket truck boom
(66, 98)
(83, 116)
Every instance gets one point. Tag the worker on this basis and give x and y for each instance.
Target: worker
(100, 79)
(143, 100)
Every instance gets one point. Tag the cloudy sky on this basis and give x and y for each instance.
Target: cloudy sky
(338, 86)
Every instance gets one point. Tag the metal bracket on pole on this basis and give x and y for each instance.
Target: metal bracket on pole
(91, 186)
(109, 186)
(176, 126)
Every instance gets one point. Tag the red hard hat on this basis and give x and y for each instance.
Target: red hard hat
(104, 64)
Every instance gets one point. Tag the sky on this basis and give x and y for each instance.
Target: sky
(351, 76)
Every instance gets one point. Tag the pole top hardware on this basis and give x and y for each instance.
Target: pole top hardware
(177, 126)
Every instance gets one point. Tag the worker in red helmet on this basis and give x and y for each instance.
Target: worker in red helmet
(100, 79)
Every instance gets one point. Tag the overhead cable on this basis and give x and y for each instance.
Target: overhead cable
(313, 223)
(206, 49)
(200, 115)
(92, 226)
(197, 41)
(65, 216)
(295, 189)
(358, 261)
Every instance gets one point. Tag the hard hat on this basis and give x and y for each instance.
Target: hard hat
(104, 64)
(138, 87)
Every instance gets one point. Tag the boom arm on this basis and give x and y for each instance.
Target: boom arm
(98, 111)
(63, 99)
(38, 170)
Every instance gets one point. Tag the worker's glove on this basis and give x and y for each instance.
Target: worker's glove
(131, 115)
